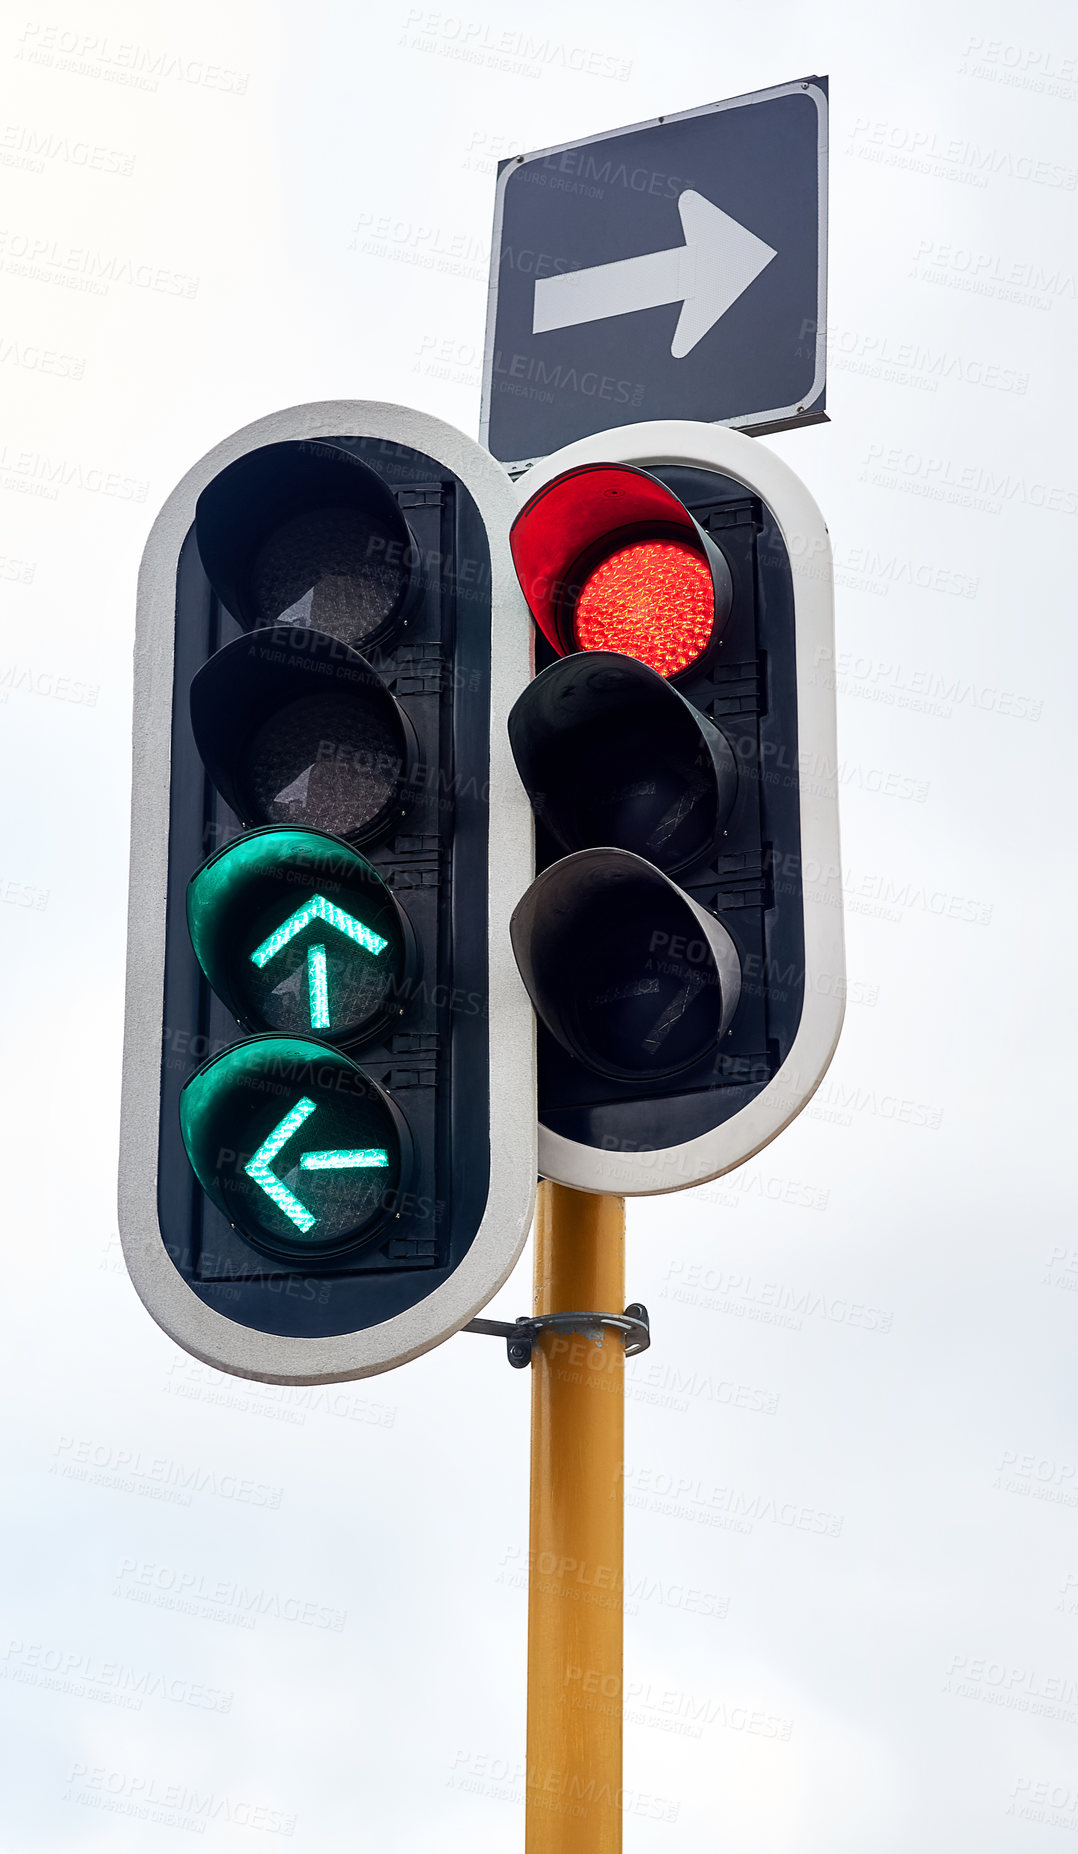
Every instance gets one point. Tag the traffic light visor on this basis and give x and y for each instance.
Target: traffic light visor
(610, 754)
(610, 559)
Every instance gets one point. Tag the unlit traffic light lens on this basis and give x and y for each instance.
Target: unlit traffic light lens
(333, 762)
(635, 1007)
(296, 728)
(307, 534)
(632, 977)
(653, 600)
(340, 570)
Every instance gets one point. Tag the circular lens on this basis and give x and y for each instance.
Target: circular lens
(597, 791)
(647, 999)
(298, 932)
(340, 570)
(653, 600)
(334, 762)
(301, 1150)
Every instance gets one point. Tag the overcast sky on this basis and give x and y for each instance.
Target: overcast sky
(876, 1319)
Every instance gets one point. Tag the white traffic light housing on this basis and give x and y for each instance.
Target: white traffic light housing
(686, 958)
(328, 1121)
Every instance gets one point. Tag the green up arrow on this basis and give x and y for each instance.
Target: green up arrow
(318, 909)
(336, 1160)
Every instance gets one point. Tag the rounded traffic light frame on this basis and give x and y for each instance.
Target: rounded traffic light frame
(694, 1152)
(297, 932)
(610, 559)
(296, 728)
(627, 972)
(305, 1154)
(576, 735)
(199, 1313)
(306, 533)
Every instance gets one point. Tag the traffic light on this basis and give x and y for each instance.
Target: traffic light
(328, 1159)
(682, 941)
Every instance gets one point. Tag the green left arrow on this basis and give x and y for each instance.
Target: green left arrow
(339, 1159)
(318, 909)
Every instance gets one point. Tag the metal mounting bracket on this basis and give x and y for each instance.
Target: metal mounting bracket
(521, 1334)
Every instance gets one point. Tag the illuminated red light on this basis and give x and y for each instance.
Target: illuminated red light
(652, 600)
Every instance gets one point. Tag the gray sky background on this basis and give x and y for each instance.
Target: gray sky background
(874, 1320)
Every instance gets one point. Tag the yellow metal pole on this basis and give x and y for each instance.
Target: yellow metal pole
(575, 1585)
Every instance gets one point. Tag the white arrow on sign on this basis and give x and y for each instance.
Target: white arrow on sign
(706, 275)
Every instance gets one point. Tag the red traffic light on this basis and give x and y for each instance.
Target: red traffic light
(652, 600)
(610, 559)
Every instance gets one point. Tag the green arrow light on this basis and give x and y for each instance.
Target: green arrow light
(340, 1161)
(318, 987)
(318, 909)
(269, 1099)
(258, 1168)
(297, 932)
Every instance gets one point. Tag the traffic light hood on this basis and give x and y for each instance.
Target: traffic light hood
(577, 733)
(296, 728)
(306, 533)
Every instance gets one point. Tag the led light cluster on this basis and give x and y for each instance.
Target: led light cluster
(336, 1159)
(318, 987)
(345, 1159)
(318, 909)
(258, 1168)
(653, 600)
